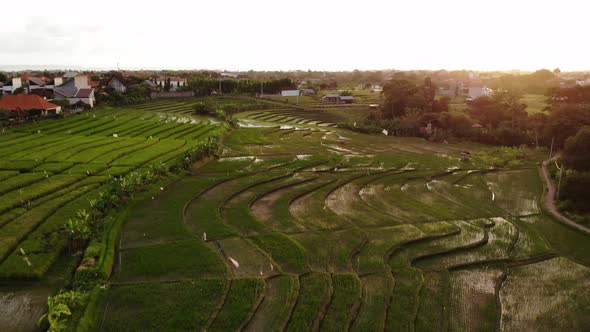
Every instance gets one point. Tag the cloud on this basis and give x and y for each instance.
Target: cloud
(40, 36)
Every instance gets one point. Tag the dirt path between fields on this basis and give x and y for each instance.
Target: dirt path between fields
(550, 198)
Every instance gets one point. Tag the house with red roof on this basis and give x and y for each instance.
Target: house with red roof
(28, 105)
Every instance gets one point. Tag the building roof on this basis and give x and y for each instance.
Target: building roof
(66, 91)
(70, 74)
(347, 97)
(37, 81)
(25, 103)
(84, 93)
(119, 78)
(149, 83)
(332, 95)
(91, 83)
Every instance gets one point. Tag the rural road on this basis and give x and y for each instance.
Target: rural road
(550, 198)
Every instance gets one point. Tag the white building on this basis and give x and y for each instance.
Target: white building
(11, 86)
(76, 90)
(175, 82)
(117, 82)
(290, 93)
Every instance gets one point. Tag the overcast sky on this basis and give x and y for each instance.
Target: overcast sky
(302, 34)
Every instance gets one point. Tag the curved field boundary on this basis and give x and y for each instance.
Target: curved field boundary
(276, 189)
(343, 304)
(304, 308)
(190, 129)
(283, 308)
(417, 259)
(376, 176)
(393, 273)
(48, 210)
(325, 305)
(219, 305)
(254, 309)
(137, 131)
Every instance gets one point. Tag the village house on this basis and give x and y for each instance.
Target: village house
(464, 89)
(175, 82)
(28, 106)
(337, 99)
(290, 92)
(475, 90)
(12, 85)
(76, 90)
(36, 83)
(117, 82)
(376, 88)
(150, 85)
(41, 86)
(307, 92)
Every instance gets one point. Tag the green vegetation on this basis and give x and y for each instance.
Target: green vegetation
(347, 294)
(286, 221)
(238, 305)
(312, 294)
(162, 306)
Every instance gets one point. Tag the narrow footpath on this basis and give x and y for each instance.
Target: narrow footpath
(550, 198)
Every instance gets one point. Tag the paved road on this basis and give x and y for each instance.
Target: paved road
(550, 199)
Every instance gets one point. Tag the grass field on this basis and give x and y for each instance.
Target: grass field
(298, 225)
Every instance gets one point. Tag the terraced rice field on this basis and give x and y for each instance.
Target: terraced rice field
(315, 228)
(52, 169)
(299, 226)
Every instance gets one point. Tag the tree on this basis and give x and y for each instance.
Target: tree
(458, 124)
(3, 77)
(537, 123)
(397, 94)
(202, 108)
(576, 153)
(576, 192)
(565, 121)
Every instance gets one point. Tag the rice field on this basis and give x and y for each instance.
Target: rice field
(297, 225)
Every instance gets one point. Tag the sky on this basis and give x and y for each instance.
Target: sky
(303, 34)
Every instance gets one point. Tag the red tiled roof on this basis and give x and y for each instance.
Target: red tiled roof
(91, 83)
(25, 103)
(25, 76)
(84, 93)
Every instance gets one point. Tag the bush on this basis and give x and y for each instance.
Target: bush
(575, 191)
